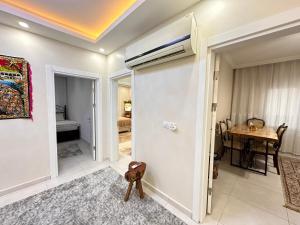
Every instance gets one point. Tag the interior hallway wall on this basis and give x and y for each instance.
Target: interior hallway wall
(24, 150)
(60, 91)
(79, 106)
(167, 92)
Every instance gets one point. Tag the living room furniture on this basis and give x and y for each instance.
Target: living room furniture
(135, 173)
(264, 134)
(273, 147)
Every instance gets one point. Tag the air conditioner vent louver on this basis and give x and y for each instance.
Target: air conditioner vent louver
(158, 59)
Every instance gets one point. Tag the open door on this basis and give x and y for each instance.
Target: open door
(215, 73)
(93, 122)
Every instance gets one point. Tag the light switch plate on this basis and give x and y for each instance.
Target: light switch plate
(170, 125)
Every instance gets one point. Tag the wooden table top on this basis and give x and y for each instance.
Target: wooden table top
(265, 133)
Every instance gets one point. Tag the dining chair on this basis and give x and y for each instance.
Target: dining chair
(227, 143)
(259, 123)
(229, 124)
(273, 148)
(278, 129)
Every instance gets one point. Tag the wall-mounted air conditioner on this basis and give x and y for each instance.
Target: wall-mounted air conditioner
(173, 41)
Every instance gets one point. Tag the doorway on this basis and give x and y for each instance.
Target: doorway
(239, 85)
(75, 132)
(122, 119)
(75, 123)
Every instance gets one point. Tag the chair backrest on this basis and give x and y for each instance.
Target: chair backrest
(278, 129)
(229, 124)
(223, 129)
(259, 123)
(280, 134)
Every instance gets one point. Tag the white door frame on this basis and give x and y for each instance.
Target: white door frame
(280, 24)
(113, 97)
(50, 74)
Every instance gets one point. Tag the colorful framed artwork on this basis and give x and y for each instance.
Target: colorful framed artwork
(15, 88)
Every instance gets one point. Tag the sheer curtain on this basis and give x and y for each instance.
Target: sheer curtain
(270, 92)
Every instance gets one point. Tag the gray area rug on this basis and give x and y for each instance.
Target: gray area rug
(69, 150)
(93, 199)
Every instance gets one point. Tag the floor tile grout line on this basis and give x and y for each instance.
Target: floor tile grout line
(254, 204)
(257, 206)
(222, 213)
(261, 186)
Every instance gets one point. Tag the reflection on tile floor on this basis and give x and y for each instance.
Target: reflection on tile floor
(125, 144)
(242, 197)
(76, 163)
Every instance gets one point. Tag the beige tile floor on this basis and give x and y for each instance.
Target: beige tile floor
(76, 163)
(242, 197)
(125, 144)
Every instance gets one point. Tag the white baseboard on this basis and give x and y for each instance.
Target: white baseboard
(23, 185)
(168, 199)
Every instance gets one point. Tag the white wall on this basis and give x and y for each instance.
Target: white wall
(174, 97)
(79, 107)
(167, 92)
(60, 91)
(124, 94)
(24, 153)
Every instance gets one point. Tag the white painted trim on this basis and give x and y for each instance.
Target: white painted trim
(119, 74)
(201, 165)
(50, 73)
(99, 119)
(23, 185)
(51, 121)
(264, 62)
(283, 23)
(133, 117)
(112, 111)
(113, 115)
(214, 68)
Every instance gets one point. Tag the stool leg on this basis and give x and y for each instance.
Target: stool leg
(140, 187)
(128, 191)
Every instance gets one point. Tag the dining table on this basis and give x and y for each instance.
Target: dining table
(264, 135)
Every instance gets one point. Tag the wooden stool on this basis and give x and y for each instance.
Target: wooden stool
(135, 173)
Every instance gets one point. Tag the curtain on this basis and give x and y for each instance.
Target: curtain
(270, 92)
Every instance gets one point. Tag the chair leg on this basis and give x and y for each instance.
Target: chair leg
(275, 160)
(128, 191)
(140, 188)
(231, 156)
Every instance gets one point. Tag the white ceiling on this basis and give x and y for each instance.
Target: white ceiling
(145, 15)
(264, 51)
